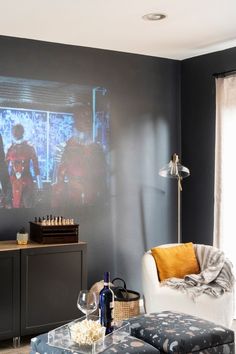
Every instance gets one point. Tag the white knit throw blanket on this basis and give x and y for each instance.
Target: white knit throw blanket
(216, 276)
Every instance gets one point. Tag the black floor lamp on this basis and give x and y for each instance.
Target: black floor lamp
(175, 170)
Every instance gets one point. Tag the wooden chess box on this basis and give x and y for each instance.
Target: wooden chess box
(47, 234)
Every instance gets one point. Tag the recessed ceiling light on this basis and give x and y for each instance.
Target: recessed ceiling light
(153, 17)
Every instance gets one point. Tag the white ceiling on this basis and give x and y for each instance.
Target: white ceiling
(192, 27)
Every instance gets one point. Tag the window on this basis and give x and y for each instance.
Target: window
(225, 167)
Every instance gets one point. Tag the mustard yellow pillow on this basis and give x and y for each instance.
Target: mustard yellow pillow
(176, 261)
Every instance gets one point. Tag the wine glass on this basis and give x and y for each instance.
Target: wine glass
(87, 302)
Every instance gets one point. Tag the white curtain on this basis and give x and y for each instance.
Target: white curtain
(225, 167)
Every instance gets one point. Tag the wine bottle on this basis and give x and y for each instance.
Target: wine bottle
(106, 305)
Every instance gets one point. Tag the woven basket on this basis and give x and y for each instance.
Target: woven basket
(126, 309)
(126, 302)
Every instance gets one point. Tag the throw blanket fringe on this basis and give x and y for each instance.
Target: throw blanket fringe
(216, 276)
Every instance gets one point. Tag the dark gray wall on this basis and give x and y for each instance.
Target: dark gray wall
(145, 110)
(198, 139)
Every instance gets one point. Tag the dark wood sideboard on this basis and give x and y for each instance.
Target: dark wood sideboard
(39, 286)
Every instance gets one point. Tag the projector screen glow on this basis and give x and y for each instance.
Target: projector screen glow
(49, 157)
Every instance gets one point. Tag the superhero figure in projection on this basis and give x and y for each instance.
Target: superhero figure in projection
(5, 185)
(80, 176)
(19, 157)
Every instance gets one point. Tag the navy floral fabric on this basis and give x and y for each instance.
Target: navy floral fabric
(129, 345)
(172, 332)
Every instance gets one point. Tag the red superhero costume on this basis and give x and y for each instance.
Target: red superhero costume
(80, 171)
(19, 157)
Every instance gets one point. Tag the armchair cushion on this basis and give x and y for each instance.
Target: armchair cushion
(176, 261)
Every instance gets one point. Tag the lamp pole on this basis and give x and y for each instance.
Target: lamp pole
(175, 170)
(179, 211)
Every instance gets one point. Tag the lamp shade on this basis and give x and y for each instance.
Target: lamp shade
(174, 169)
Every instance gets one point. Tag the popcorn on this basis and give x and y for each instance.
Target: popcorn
(86, 332)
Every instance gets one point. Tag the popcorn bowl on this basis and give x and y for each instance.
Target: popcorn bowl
(86, 331)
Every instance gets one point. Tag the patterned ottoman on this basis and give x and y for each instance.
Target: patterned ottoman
(172, 332)
(129, 345)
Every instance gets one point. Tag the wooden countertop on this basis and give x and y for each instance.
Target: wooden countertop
(13, 245)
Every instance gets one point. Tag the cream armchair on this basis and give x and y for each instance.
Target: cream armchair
(160, 298)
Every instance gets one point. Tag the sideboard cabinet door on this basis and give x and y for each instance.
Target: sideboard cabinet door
(9, 294)
(51, 278)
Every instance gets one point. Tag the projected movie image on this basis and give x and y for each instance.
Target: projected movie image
(55, 157)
